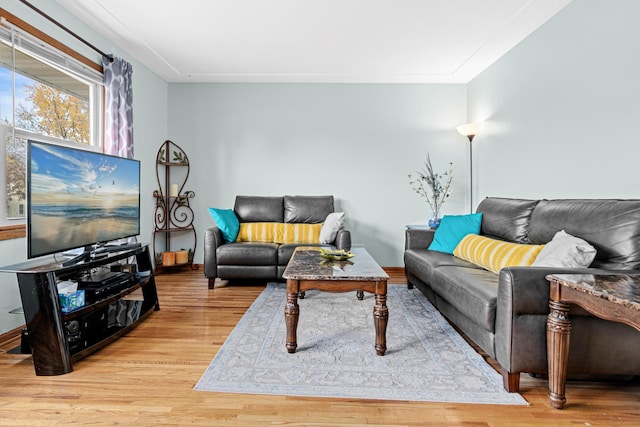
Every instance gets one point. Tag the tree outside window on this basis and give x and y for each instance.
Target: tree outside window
(41, 109)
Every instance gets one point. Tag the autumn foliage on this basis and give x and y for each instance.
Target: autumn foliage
(55, 113)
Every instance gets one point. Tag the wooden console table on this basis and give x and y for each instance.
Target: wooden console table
(610, 297)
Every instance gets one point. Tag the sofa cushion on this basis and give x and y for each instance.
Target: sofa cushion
(259, 209)
(297, 233)
(307, 209)
(506, 219)
(565, 250)
(422, 261)
(264, 232)
(278, 232)
(471, 290)
(244, 272)
(452, 229)
(247, 254)
(227, 223)
(610, 226)
(330, 227)
(494, 255)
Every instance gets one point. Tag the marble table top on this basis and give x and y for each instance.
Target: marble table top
(307, 264)
(618, 288)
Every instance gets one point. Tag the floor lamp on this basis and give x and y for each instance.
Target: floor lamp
(470, 130)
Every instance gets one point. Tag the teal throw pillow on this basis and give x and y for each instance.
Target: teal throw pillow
(452, 229)
(227, 222)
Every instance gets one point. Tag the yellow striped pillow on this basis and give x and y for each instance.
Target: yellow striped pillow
(495, 255)
(297, 233)
(263, 232)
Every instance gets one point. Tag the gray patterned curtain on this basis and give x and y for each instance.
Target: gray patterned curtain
(118, 137)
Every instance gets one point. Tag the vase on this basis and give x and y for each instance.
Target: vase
(434, 222)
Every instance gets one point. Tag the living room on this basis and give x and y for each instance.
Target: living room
(558, 113)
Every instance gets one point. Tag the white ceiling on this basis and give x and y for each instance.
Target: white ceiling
(351, 41)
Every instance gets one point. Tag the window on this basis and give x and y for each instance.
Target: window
(45, 94)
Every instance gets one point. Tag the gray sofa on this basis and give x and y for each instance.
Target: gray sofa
(253, 260)
(505, 314)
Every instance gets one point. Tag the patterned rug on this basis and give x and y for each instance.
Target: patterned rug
(426, 359)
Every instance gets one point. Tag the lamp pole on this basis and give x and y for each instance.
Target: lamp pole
(470, 130)
(470, 173)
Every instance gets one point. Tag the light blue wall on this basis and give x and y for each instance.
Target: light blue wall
(560, 112)
(150, 129)
(357, 142)
(561, 109)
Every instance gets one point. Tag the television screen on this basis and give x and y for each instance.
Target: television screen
(78, 198)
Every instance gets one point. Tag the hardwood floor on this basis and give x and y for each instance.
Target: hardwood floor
(147, 378)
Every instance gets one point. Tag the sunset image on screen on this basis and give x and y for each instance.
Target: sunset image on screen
(80, 197)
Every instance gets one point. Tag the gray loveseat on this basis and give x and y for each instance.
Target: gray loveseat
(265, 260)
(505, 314)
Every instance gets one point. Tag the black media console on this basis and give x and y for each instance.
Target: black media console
(120, 292)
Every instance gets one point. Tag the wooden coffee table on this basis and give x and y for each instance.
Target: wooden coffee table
(610, 297)
(308, 270)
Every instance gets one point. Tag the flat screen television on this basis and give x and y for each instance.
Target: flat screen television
(78, 198)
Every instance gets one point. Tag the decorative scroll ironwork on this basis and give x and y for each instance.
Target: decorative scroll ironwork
(173, 212)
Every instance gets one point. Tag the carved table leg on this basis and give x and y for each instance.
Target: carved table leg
(380, 319)
(558, 333)
(291, 314)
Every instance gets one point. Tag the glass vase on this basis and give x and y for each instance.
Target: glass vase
(434, 222)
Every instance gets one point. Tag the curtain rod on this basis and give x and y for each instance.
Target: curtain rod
(109, 57)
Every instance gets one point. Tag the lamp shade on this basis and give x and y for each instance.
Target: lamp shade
(469, 129)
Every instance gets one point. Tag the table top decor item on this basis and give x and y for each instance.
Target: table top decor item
(433, 187)
(336, 254)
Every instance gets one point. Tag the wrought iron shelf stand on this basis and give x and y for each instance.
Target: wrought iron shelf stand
(173, 216)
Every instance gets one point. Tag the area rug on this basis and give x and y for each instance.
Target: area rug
(426, 359)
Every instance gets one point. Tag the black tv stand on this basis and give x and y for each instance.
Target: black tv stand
(57, 338)
(98, 252)
(84, 256)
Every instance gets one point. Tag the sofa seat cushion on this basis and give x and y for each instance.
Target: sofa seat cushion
(247, 254)
(422, 261)
(286, 250)
(471, 290)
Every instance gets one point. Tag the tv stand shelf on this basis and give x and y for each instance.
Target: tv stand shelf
(57, 338)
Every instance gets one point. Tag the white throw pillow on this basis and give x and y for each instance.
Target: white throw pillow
(565, 250)
(332, 224)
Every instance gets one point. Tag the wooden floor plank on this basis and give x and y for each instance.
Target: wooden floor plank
(147, 378)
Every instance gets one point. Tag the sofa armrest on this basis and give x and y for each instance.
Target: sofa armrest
(212, 240)
(418, 238)
(521, 310)
(343, 239)
(525, 290)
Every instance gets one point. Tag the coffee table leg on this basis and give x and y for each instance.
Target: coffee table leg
(380, 319)
(291, 314)
(558, 333)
